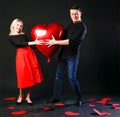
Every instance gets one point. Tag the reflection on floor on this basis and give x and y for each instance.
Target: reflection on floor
(93, 106)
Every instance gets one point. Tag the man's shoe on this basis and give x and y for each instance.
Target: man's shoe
(54, 100)
(79, 103)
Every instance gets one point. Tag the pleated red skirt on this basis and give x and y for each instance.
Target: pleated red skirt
(27, 68)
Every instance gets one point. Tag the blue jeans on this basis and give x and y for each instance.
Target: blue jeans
(71, 65)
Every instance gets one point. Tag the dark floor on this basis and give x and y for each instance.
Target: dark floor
(92, 106)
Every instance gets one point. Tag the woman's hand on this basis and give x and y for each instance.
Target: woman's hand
(38, 42)
(49, 42)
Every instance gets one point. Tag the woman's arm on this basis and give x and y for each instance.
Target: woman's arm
(36, 42)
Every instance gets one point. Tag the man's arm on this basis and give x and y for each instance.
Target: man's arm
(56, 42)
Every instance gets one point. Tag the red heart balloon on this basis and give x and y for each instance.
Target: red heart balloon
(43, 32)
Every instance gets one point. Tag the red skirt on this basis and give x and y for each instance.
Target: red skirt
(27, 68)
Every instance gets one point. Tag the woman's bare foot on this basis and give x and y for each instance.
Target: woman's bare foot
(19, 100)
(28, 100)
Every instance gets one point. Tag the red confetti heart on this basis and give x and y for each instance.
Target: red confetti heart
(21, 112)
(11, 107)
(92, 99)
(115, 105)
(104, 100)
(59, 104)
(10, 99)
(117, 108)
(101, 113)
(70, 113)
(91, 105)
(46, 109)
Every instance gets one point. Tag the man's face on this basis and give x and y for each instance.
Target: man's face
(75, 15)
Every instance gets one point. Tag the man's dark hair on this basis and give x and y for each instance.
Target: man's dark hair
(76, 7)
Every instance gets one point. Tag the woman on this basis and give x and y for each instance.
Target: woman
(27, 67)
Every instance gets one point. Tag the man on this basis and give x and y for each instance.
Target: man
(69, 55)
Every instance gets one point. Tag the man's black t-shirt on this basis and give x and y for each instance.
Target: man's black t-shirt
(76, 33)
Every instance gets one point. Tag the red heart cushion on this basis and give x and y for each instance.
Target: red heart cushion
(43, 32)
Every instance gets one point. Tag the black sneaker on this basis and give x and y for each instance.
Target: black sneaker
(54, 100)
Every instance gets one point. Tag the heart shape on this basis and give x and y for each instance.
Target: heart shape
(43, 32)
(20, 112)
(70, 113)
(101, 113)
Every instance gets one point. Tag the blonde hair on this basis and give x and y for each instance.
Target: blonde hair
(12, 26)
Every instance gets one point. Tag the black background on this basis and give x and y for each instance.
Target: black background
(99, 60)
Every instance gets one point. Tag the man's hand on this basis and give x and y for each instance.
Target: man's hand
(49, 42)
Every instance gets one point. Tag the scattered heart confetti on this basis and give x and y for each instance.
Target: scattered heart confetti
(21, 112)
(91, 105)
(59, 104)
(117, 108)
(101, 113)
(47, 109)
(92, 99)
(70, 113)
(115, 105)
(11, 107)
(10, 98)
(104, 100)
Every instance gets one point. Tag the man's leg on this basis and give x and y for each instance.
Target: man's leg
(58, 81)
(72, 64)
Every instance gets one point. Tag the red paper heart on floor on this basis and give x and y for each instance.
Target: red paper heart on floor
(70, 113)
(101, 113)
(21, 112)
(43, 32)
(59, 104)
(117, 108)
(10, 98)
(11, 107)
(104, 100)
(115, 105)
(92, 99)
(91, 105)
(46, 109)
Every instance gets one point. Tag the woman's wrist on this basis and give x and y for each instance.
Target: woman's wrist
(31, 43)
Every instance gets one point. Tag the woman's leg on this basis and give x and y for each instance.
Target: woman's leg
(28, 93)
(20, 97)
